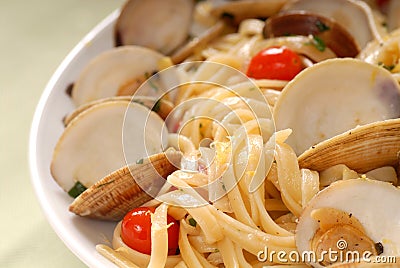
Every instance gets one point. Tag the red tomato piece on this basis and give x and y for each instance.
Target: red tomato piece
(136, 231)
(275, 63)
(382, 3)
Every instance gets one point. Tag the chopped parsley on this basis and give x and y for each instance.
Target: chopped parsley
(157, 106)
(223, 186)
(318, 43)
(322, 27)
(139, 161)
(192, 222)
(77, 189)
(387, 67)
(138, 102)
(149, 80)
(153, 86)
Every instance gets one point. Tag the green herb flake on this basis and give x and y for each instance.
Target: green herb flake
(148, 77)
(322, 27)
(318, 43)
(192, 222)
(388, 67)
(139, 161)
(152, 85)
(138, 102)
(157, 106)
(77, 189)
(224, 187)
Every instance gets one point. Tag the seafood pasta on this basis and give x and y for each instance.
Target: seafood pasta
(267, 145)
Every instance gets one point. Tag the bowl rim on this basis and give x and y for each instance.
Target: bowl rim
(35, 178)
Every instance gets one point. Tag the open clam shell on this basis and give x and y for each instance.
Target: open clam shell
(126, 188)
(92, 144)
(361, 149)
(360, 206)
(332, 97)
(150, 24)
(329, 31)
(121, 71)
(355, 16)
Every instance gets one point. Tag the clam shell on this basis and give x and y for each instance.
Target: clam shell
(373, 203)
(361, 149)
(355, 16)
(104, 138)
(329, 31)
(150, 24)
(116, 72)
(68, 118)
(161, 107)
(333, 96)
(114, 195)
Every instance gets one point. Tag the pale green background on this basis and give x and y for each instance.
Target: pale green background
(35, 35)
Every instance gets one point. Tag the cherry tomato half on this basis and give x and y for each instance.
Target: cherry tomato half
(275, 63)
(136, 230)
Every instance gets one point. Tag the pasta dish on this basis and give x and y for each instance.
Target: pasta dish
(262, 133)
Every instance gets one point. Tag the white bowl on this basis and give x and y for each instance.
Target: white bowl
(81, 235)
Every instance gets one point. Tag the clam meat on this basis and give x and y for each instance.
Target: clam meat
(352, 217)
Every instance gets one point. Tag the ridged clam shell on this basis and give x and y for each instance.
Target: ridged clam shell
(362, 149)
(114, 195)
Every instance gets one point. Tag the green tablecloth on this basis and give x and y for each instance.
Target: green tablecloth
(35, 36)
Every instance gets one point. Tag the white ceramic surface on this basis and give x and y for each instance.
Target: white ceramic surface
(79, 234)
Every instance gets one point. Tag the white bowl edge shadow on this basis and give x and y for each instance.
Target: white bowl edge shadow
(79, 234)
